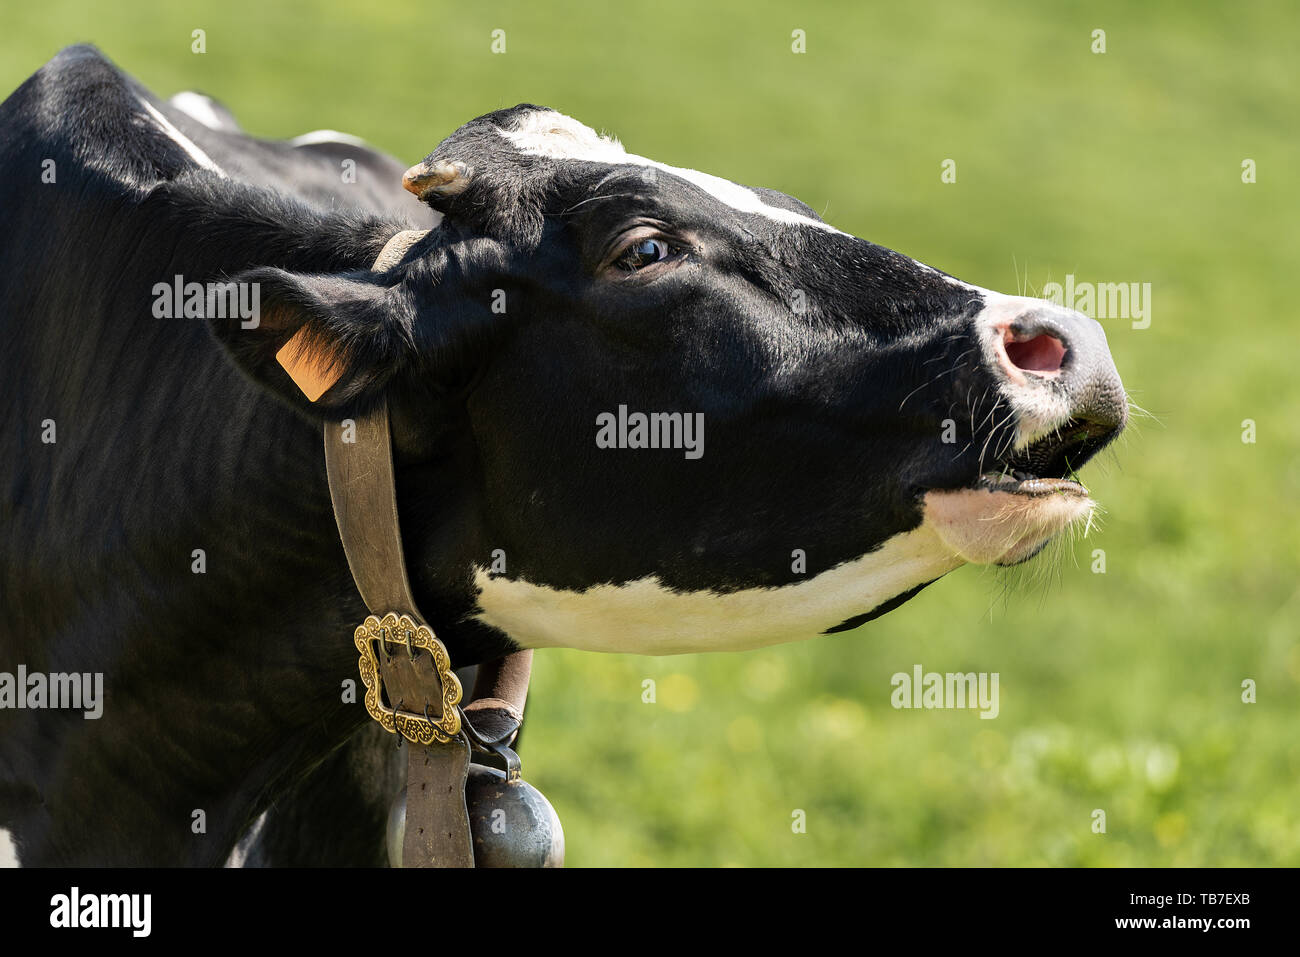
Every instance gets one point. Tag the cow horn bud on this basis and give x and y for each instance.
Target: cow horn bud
(439, 178)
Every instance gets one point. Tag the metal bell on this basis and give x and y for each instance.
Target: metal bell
(512, 823)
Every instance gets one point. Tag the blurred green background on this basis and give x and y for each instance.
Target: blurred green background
(1120, 691)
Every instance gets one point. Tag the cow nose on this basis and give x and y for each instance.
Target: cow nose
(1055, 365)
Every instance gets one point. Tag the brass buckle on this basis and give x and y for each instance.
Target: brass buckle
(413, 726)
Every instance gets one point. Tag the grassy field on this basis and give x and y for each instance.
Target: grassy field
(1121, 691)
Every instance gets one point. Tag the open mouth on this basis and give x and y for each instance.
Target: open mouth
(1047, 466)
(1016, 507)
(1022, 483)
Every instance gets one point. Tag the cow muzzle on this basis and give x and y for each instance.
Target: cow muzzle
(1059, 386)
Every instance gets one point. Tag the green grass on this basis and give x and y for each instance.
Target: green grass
(1120, 691)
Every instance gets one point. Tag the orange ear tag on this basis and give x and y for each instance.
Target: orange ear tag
(313, 376)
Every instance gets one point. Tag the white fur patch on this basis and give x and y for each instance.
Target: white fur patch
(183, 141)
(8, 853)
(987, 527)
(199, 107)
(552, 134)
(954, 281)
(644, 617)
(327, 136)
(239, 853)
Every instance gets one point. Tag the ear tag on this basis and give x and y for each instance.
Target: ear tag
(313, 376)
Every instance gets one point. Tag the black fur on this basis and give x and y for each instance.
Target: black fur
(223, 689)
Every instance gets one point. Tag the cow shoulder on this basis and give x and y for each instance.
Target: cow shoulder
(79, 112)
(326, 169)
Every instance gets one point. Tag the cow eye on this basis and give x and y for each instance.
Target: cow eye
(642, 253)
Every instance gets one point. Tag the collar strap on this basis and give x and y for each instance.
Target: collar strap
(363, 491)
(410, 688)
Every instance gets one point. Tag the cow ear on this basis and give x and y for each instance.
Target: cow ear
(326, 342)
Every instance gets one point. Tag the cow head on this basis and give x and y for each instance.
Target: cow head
(670, 413)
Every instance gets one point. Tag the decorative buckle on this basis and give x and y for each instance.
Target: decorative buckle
(415, 727)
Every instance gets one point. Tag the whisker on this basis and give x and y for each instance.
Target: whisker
(941, 374)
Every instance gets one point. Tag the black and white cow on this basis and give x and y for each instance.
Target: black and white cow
(884, 419)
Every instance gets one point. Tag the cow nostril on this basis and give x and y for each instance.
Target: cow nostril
(1042, 354)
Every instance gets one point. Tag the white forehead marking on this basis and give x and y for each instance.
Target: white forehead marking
(548, 133)
(644, 617)
(185, 143)
(327, 136)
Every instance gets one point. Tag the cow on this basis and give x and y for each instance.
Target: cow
(635, 408)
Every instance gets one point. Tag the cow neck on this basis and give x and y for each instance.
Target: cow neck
(413, 692)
